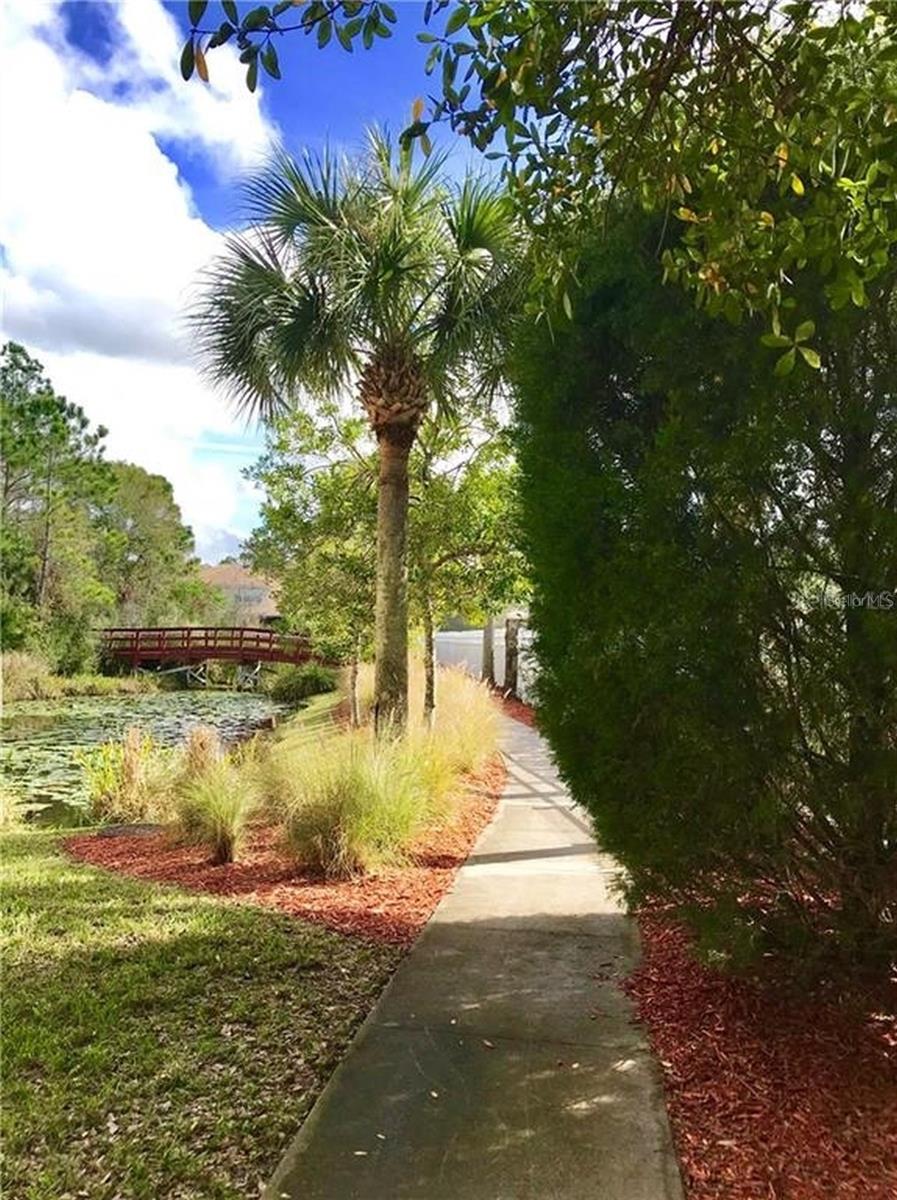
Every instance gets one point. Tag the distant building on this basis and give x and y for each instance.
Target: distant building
(252, 596)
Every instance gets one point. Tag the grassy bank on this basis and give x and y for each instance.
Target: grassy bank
(27, 677)
(344, 801)
(159, 1043)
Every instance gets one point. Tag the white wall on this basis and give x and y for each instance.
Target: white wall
(464, 648)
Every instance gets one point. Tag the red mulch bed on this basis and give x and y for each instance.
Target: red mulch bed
(391, 906)
(772, 1092)
(518, 710)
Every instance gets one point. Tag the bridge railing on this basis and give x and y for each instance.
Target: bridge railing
(187, 643)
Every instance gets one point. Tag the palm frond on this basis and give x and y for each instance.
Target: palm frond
(480, 219)
(241, 293)
(484, 281)
(296, 198)
(347, 261)
(261, 332)
(403, 171)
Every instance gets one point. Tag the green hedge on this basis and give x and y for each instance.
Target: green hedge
(292, 685)
(687, 518)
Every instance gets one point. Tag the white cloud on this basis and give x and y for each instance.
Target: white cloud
(159, 415)
(102, 240)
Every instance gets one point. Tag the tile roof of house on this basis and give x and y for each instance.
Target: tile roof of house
(236, 580)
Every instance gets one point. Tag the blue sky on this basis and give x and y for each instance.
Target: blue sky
(117, 189)
(329, 97)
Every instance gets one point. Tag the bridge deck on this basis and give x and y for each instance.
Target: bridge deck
(191, 644)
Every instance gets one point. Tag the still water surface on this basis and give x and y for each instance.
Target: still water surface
(40, 738)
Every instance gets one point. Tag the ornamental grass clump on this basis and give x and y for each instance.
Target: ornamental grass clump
(214, 809)
(352, 802)
(466, 719)
(465, 722)
(424, 754)
(202, 751)
(130, 780)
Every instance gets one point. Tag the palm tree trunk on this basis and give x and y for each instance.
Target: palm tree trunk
(429, 665)
(391, 612)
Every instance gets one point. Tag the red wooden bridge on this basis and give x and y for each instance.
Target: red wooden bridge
(188, 644)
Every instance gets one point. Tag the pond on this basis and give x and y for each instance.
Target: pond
(40, 738)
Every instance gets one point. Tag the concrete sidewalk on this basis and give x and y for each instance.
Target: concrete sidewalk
(502, 1062)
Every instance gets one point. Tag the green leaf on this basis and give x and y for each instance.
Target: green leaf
(256, 18)
(188, 60)
(252, 74)
(776, 340)
(568, 305)
(225, 32)
(805, 330)
(269, 61)
(785, 365)
(230, 11)
(344, 38)
(196, 11)
(732, 308)
(325, 29)
(459, 17)
(810, 357)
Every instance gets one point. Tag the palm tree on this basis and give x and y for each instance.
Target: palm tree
(377, 275)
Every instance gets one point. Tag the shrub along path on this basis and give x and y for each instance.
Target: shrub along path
(502, 1062)
(392, 905)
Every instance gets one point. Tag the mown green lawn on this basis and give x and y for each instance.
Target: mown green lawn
(160, 1045)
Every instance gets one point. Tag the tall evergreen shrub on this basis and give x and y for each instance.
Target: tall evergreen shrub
(714, 551)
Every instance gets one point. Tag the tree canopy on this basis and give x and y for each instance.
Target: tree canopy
(317, 535)
(85, 542)
(767, 130)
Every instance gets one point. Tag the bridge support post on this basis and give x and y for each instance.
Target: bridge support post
(248, 676)
(199, 674)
